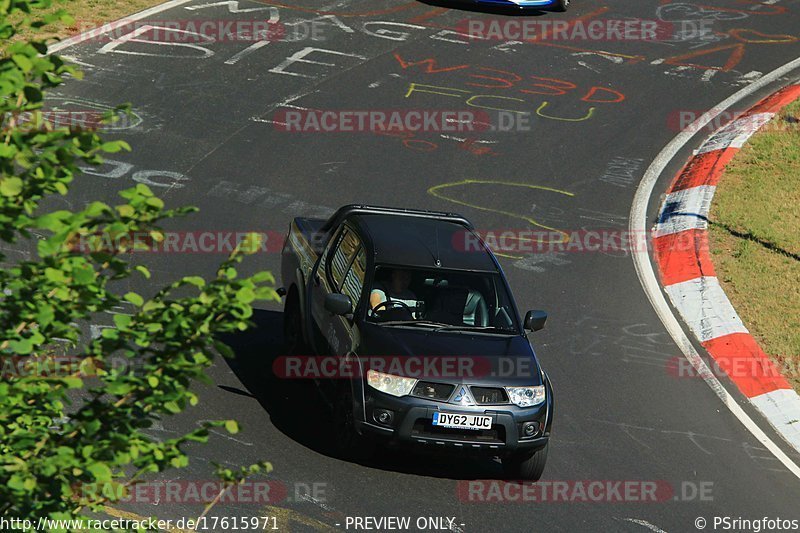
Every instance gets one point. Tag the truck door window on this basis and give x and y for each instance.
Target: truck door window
(354, 280)
(342, 256)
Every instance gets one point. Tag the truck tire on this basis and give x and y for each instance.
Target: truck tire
(526, 467)
(350, 445)
(293, 325)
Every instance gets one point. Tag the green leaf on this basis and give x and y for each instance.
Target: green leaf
(100, 471)
(16, 483)
(232, 426)
(143, 271)
(96, 209)
(7, 151)
(245, 295)
(152, 381)
(119, 388)
(143, 190)
(22, 62)
(156, 202)
(54, 275)
(48, 247)
(52, 221)
(197, 281)
(262, 277)
(72, 382)
(134, 298)
(10, 187)
(83, 275)
(122, 321)
(45, 315)
(115, 146)
(267, 293)
(21, 347)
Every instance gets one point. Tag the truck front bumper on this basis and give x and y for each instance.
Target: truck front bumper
(411, 424)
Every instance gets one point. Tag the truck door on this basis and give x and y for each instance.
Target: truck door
(340, 270)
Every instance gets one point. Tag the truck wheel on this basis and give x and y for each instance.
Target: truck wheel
(349, 443)
(293, 325)
(526, 467)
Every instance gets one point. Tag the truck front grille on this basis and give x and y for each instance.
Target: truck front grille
(433, 391)
(489, 395)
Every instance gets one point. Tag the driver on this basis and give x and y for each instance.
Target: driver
(396, 290)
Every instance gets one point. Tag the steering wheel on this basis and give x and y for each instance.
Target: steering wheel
(387, 303)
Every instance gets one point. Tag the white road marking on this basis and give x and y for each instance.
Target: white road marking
(232, 5)
(710, 73)
(94, 32)
(462, 139)
(585, 65)
(77, 61)
(268, 121)
(645, 523)
(644, 269)
(610, 57)
(247, 51)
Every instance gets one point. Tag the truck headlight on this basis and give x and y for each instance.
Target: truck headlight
(394, 385)
(526, 396)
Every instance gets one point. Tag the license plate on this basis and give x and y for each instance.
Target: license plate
(456, 421)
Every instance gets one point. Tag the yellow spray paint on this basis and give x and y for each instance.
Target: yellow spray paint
(438, 192)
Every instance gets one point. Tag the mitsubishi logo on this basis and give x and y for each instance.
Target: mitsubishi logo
(462, 396)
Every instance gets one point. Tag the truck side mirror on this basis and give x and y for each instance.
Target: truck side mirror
(535, 319)
(338, 304)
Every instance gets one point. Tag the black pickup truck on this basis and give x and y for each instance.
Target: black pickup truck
(415, 314)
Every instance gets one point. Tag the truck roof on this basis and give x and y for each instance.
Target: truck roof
(423, 241)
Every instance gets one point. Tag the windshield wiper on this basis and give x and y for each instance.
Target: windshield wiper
(476, 329)
(411, 323)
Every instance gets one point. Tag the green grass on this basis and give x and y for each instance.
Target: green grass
(755, 238)
(86, 14)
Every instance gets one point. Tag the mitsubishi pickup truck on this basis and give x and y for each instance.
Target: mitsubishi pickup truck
(414, 313)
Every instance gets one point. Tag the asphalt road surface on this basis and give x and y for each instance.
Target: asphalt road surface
(208, 134)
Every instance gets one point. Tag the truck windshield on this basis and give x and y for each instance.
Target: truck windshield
(451, 300)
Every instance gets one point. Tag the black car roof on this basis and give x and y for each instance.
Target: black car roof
(423, 242)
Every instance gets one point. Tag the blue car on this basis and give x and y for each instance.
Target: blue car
(554, 5)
